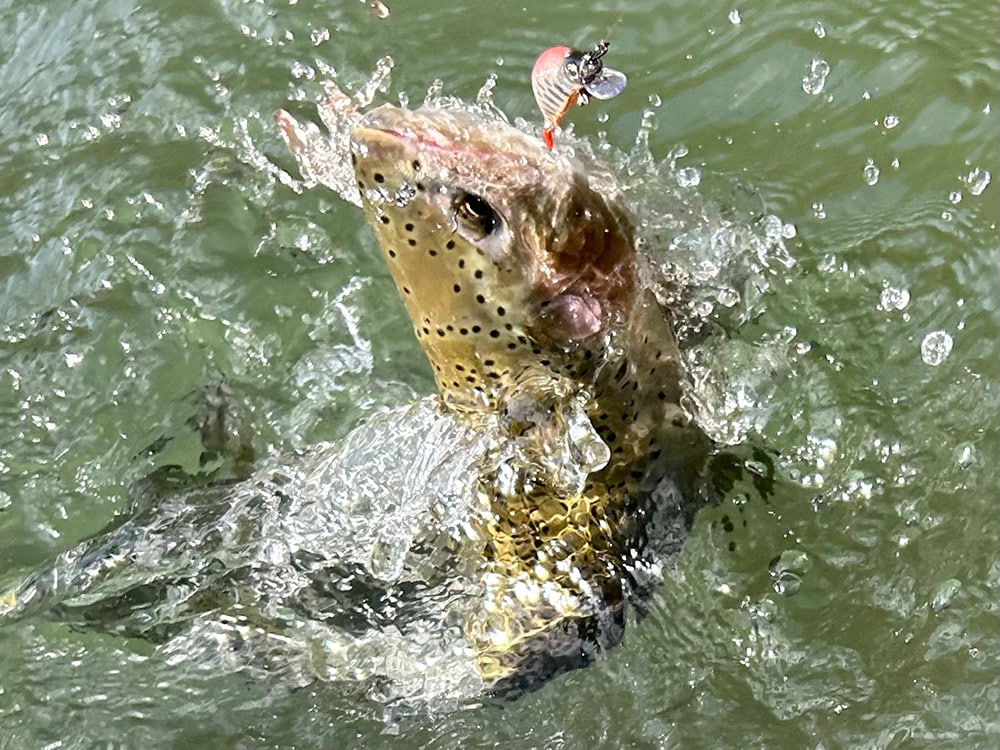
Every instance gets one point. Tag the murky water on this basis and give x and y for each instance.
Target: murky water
(152, 252)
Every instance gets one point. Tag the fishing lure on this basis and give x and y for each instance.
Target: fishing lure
(563, 76)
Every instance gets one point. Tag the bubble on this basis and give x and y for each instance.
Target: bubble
(955, 196)
(935, 348)
(890, 121)
(42, 139)
(819, 30)
(734, 17)
(871, 173)
(318, 36)
(815, 78)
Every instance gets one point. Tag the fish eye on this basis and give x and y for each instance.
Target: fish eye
(474, 214)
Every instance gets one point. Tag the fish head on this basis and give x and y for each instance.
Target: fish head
(507, 256)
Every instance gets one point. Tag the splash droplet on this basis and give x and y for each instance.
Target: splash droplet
(871, 173)
(815, 78)
(734, 17)
(688, 177)
(978, 180)
(819, 30)
(890, 121)
(935, 348)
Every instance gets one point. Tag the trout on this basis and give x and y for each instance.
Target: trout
(519, 270)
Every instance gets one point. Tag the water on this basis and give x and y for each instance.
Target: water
(151, 254)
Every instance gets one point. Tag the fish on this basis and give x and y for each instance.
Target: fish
(563, 76)
(520, 273)
(481, 540)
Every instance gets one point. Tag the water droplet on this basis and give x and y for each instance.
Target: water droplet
(499, 61)
(894, 164)
(603, 117)
(819, 30)
(688, 177)
(405, 194)
(945, 594)
(318, 36)
(871, 173)
(5, 500)
(787, 571)
(42, 139)
(815, 79)
(818, 210)
(380, 9)
(655, 100)
(935, 348)
(728, 297)
(890, 121)
(955, 196)
(894, 299)
(978, 180)
(734, 17)
(484, 97)
(965, 455)
(866, 95)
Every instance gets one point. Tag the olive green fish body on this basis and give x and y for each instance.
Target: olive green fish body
(518, 268)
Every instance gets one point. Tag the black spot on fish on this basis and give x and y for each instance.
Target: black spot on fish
(378, 177)
(480, 299)
(451, 246)
(411, 242)
(384, 219)
(416, 165)
(457, 288)
(409, 227)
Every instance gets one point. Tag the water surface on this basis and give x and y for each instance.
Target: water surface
(149, 251)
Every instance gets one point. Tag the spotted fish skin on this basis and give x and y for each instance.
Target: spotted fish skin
(519, 271)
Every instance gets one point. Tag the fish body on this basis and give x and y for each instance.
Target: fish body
(519, 270)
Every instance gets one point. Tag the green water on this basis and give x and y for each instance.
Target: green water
(148, 253)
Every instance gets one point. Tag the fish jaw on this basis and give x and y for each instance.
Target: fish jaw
(505, 256)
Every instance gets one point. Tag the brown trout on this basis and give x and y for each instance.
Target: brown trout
(519, 270)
